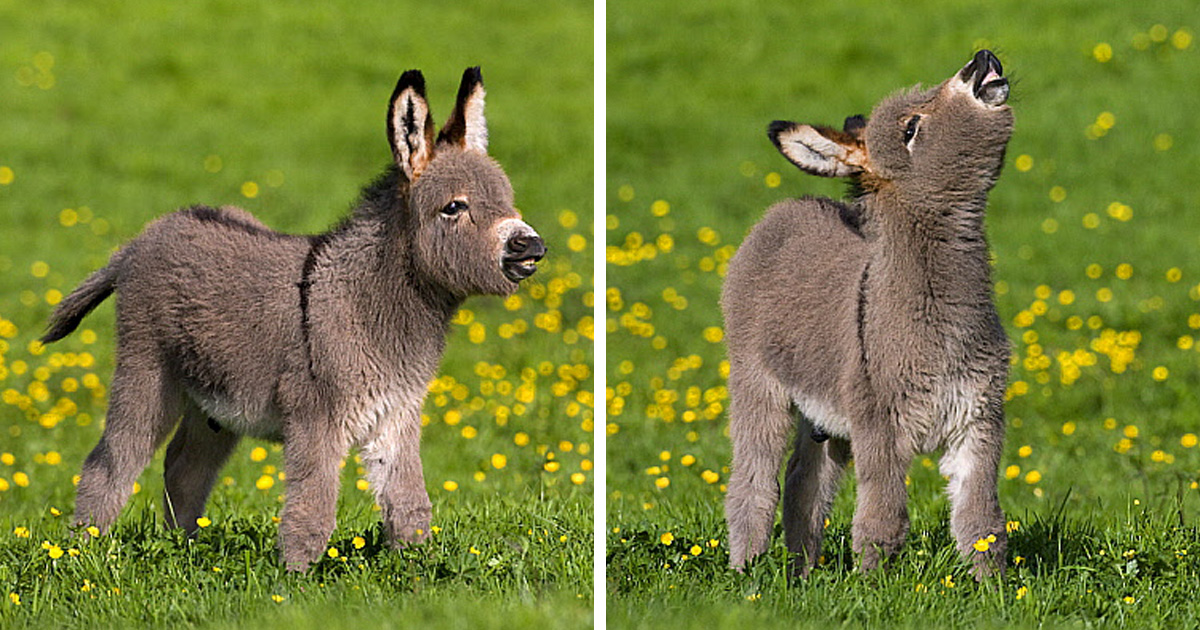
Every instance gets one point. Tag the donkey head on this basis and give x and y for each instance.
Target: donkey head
(950, 138)
(463, 230)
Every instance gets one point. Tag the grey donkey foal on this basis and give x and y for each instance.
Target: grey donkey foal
(324, 342)
(872, 320)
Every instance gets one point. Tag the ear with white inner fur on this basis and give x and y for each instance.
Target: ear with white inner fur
(409, 125)
(467, 127)
(819, 150)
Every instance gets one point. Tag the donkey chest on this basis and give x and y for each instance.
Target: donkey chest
(364, 415)
(932, 417)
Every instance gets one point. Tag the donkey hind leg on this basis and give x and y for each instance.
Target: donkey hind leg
(976, 520)
(311, 458)
(759, 425)
(144, 406)
(810, 485)
(393, 463)
(881, 511)
(194, 457)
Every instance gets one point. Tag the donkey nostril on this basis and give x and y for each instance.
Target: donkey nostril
(518, 244)
(525, 246)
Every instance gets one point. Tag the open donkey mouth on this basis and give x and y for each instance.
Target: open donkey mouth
(517, 269)
(986, 77)
(523, 248)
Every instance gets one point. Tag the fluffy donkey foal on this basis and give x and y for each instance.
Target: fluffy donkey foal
(324, 342)
(872, 322)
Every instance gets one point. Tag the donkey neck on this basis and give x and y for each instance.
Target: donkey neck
(367, 262)
(389, 228)
(930, 250)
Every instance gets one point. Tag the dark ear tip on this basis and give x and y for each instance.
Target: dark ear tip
(410, 79)
(471, 77)
(777, 127)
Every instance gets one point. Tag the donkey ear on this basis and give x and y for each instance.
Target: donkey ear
(409, 125)
(820, 150)
(855, 126)
(467, 128)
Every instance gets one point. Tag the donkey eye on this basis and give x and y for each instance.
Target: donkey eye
(910, 131)
(455, 207)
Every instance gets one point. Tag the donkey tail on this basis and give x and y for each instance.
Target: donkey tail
(87, 296)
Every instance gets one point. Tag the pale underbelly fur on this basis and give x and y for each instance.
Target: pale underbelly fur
(926, 425)
(260, 422)
(359, 420)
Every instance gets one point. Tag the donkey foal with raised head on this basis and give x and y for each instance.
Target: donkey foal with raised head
(227, 328)
(872, 321)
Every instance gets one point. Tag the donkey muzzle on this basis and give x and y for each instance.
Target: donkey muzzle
(522, 251)
(985, 76)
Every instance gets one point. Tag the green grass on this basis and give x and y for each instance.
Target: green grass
(1101, 462)
(114, 113)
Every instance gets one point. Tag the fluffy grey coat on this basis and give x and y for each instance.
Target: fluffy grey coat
(871, 322)
(226, 328)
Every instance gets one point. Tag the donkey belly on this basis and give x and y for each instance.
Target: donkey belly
(239, 416)
(823, 415)
(942, 418)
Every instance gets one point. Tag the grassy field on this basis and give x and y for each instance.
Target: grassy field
(1093, 231)
(113, 113)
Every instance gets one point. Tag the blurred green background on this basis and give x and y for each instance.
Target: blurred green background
(1093, 228)
(113, 113)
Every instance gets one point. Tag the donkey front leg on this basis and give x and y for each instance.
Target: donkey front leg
(972, 464)
(810, 485)
(393, 461)
(881, 514)
(311, 458)
(758, 426)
